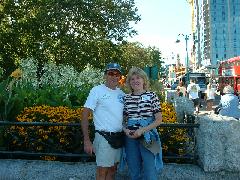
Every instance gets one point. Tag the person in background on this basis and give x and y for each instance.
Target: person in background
(193, 90)
(209, 97)
(106, 103)
(181, 90)
(229, 103)
(142, 114)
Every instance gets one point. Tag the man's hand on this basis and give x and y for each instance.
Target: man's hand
(88, 147)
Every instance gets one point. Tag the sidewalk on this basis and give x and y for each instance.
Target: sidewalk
(215, 104)
(54, 170)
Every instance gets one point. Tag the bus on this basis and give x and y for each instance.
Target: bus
(229, 74)
(200, 78)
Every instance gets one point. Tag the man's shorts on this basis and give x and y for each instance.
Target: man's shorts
(106, 156)
(196, 102)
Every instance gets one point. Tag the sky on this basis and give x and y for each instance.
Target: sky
(161, 22)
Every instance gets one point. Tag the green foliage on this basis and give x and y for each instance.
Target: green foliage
(7, 98)
(135, 54)
(73, 32)
(60, 86)
(158, 88)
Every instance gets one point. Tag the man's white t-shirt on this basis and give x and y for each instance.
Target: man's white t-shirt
(193, 90)
(107, 107)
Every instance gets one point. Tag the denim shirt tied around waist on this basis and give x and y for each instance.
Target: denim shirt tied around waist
(148, 137)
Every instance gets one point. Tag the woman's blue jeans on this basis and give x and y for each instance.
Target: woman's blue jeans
(140, 161)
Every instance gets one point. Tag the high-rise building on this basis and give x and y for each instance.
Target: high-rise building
(216, 30)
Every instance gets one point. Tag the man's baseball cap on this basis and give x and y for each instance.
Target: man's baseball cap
(113, 66)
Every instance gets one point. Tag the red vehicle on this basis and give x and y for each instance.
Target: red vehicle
(229, 74)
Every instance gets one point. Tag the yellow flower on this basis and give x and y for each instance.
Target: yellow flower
(45, 137)
(17, 73)
(180, 151)
(39, 148)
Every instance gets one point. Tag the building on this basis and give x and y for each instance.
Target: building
(216, 30)
(171, 73)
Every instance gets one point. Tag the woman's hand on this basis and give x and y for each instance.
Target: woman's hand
(134, 133)
(129, 133)
(138, 133)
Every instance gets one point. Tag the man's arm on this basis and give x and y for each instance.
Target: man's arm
(88, 147)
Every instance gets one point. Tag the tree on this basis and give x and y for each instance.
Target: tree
(156, 59)
(134, 54)
(73, 32)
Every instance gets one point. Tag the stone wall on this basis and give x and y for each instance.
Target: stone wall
(183, 106)
(218, 143)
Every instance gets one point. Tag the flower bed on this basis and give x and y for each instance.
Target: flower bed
(175, 141)
(58, 139)
(62, 139)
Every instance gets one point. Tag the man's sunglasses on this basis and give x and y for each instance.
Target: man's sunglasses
(113, 73)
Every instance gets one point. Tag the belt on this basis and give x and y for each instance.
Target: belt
(108, 133)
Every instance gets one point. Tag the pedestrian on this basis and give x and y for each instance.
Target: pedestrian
(181, 89)
(193, 90)
(142, 114)
(210, 96)
(105, 101)
(229, 103)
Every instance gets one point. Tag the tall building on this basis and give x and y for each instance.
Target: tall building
(216, 30)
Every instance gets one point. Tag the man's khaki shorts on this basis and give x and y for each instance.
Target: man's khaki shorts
(106, 156)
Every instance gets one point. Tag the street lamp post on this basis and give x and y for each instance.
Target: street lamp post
(186, 37)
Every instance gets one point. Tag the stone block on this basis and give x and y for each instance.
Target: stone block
(218, 143)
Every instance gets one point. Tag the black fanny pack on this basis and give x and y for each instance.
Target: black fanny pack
(115, 139)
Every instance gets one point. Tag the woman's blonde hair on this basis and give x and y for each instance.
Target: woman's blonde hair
(139, 72)
(228, 90)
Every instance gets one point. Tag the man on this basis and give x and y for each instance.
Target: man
(193, 91)
(105, 101)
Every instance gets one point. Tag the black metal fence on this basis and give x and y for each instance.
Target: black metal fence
(178, 141)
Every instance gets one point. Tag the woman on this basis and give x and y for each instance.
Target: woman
(142, 114)
(210, 96)
(229, 103)
(181, 90)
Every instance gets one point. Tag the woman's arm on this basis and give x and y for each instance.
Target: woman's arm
(154, 124)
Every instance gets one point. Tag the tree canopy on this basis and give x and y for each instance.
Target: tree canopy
(73, 32)
(135, 54)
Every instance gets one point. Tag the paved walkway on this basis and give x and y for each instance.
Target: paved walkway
(54, 170)
(215, 104)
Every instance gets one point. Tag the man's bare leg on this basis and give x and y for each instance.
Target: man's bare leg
(106, 173)
(111, 172)
(101, 173)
